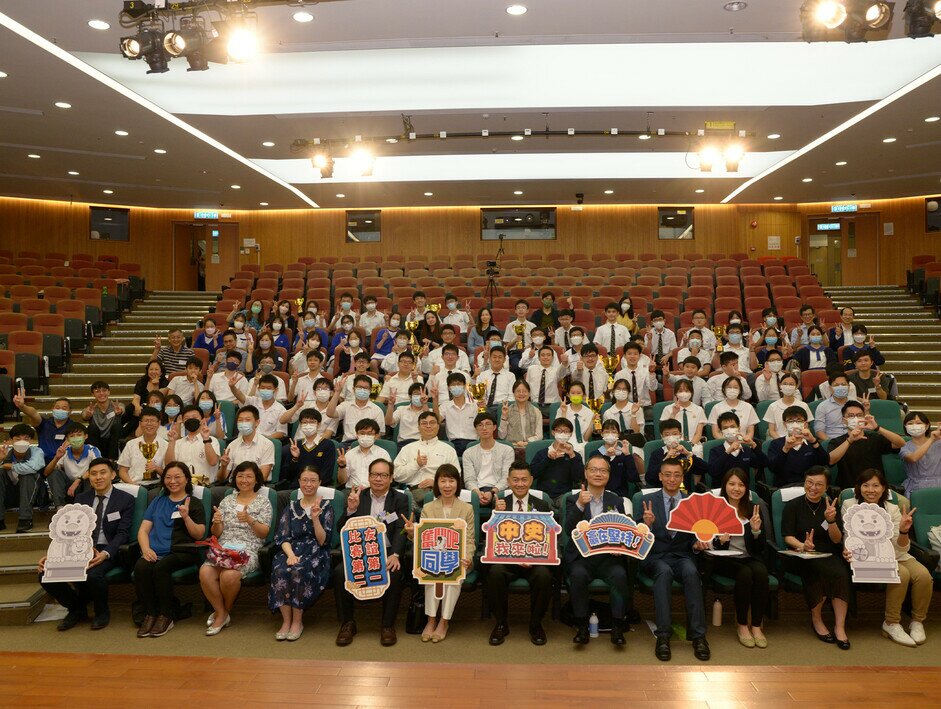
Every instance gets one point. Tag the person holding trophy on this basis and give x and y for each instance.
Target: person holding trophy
(141, 461)
(517, 335)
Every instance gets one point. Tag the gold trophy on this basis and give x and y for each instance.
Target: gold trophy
(434, 307)
(299, 302)
(520, 330)
(478, 391)
(719, 331)
(610, 363)
(374, 391)
(148, 450)
(411, 326)
(595, 405)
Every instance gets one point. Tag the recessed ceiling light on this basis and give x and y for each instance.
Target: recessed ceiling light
(236, 187)
(268, 144)
(122, 133)
(516, 137)
(108, 191)
(774, 136)
(841, 163)
(517, 192)
(644, 136)
(99, 25)
(263, 204)
(700, 190)
(932, 119)
(160, 151)
(340, 195)
(516, 10)
(778, 199)
(73, 173)
(3, 75)
(429, 194)
(303, 16)
(888, 140)
(609, 191)
(735, 6)
(808, 179)
(63, 104)
(392, 140)
(34, 156)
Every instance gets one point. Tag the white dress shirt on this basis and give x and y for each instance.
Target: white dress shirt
(357, 463)
(503, 380)
(268, 418)
(437, 452)
(509, 335)
(602, 336)
(554, 374)
(350, 413)
(135, 462)
(645, 381)
(459, 420)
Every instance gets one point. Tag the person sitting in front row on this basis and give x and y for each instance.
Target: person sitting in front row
(416, 463)
(558, 468)
(19, 471)
(790, 456)
(672, 557)
(485, 464)
(499, 576)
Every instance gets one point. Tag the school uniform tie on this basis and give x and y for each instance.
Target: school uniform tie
(493, 389)
(542, 387)
(613, 341)
(565, 335)
(591, 385)
(659, 346)
(634, 387)
(685, 428)
(578, 429)
(623, 425)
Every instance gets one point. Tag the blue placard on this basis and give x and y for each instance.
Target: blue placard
(828, 227)
(205, 215)
(844, 207)
(362, 545)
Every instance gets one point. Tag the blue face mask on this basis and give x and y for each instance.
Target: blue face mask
(157, 406)
(456, 390)
(173, 411)
(735, 338)
(60, 414)
(771, 320)
(346, 306)
(205, 405)
(841, 391)
(266, 394)
(495, 343)
(309, 324)
(816, 339)
(771, 341)
(361, 394)
(416, 400)
(245, 427)
(232, 366)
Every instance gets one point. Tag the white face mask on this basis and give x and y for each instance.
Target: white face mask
(730, 434)
(854, 422)
(354, 343)
(788, 389)
(562, 437)
(859, 338)
(276, 326)
(658, 324)
(21, 446)
(671, 440)
(732, 393)
(915, 429)
(683, 396)
(370, 307)
(576, 339)
(309, 429)
(538, 340)
(795, 428)
(775, 365)
(610, 438)
(620, 395)
(695, 343)
(366, 441)
(322, 395)
(625, 307)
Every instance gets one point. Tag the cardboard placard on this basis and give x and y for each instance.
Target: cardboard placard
(363, 547)
(440, 549)
(705, 515)
(522, 538)
(72, 546)
(613, 533)
(869, 530)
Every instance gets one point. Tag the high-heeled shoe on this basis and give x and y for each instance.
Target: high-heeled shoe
(828, 638)
(427, 635)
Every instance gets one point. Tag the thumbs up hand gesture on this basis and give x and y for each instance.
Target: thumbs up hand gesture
(584, 497)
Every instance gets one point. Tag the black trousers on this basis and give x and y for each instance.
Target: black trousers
(751, 587)
(499, 577)
(390, 599)
(154, 581)
(108, 445)
(612, 571)
(75, 596)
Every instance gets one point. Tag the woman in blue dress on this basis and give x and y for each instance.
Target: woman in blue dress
(301, 570)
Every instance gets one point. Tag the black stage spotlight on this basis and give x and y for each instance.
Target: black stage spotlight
(147, 44)
(920, 16)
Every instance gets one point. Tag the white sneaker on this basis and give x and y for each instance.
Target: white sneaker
(896, 632)
(917, 632)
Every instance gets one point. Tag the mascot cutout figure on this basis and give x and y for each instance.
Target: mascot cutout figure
(71, 548)
(869, 532)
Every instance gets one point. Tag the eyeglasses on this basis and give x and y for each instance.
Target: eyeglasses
(596, 470)
(811, 483)
(380, 476)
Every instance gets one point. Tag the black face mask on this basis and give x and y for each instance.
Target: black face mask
(192, 425)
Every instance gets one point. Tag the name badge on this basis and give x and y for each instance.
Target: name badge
(176, 515)
(240, 508)
(114, 516)
(110, 415)
(389, 518)
(60, 436)
(825, 525)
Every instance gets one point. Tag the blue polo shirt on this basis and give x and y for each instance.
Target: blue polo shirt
(51, 437)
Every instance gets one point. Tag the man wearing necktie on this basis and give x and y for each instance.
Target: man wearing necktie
(611, 334)
(114, 510)
(672, 557)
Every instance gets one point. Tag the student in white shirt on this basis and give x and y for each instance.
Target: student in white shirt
(574, 353)
(303, 382)
(629, 416)
(457, 412)
(353, 464)
(395, 389)
(544, 378)
(768, 380)
(133, 466)
(460, 319)
(187, 386)
(498, 379)
(249, 445)
(344, 310)
(510, 338)
(266, 365)
(390, 363)
(372, 319)
(790, 396)
(562, 337)
(660, 341)
(735, 336)
(452, 360)
(486, 465)
(579, 415)
(269, 409)
(360, 368)
(494, 340)
(728, 367)
(611, 334)
(689, 369)
(641, 379)
(530, 355)
(701, 324)
(416, 463)
(406, 417)
(196, 447)
(692, 417)
(694, 348)
(220, 381)
(418, 312)
(450, 341)
(732, 401)
(320, 400)
(360, 408)
(590, 373)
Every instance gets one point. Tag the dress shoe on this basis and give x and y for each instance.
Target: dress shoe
(499, 633)
(582, 635)
(896, 633)
(387, 637)
(746, 640)
(662, 650)
(617, 632)
(25, 525)
(292, 636)
(162, 626)
(828, 638)
(843, 644)
(347, 631)
(101, 621)
(211, 619)
(917, 632)
(216, 629)
(761, 642)
(279, 636)
(146, 627)
(701, 649)
(71, 620)
(537, 635)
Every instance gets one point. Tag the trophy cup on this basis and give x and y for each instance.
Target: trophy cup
(520, 330)
(595, 405)
(610, 362)
(374, 391)
(411, 326)
(299, 302)
(719, 331)
(148, 450)
(434, 307)
(478, 391)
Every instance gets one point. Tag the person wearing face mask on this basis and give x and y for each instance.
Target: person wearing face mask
(790, 396)
(396, 387)
(738, 346)
(573, 354)
(671, 432)
(692, 418)
(771, 326)
(352, 412)
(455, 317)
(561, 337)
(310, 451)
(767, 345)
(230, 345)
(267, 365)
(575, 408)
(195, 446)
(547, 317)
(280, 332)
(209, 339)
(133, 466)
(544, 377)
(248, 445)
(319, 399)
(384, 341)
(345, 345)
(690, 368)
(815, 354)
(51, 430)
(626, 463)
(68, 470)
(285, 313)
(530, 355)
(172, 407)
(222, 378)
(863, 445)
(768, 380)
(636, 373)
(695, 349)
(390, 363)
(728, 367)
(416, 463)
(484, 464)
(842, 331)
(800, 335)
(312, 311)
(270, 410)
(450, 360)
(590, 373)
(302, 383)
(187, 385)
(921, 456)
(626, 316)
(732, 401)
(862, 342)
(737, 451)
(628, 415)
(791, 455)
(311, 334)
(373, 318)
(559, 468)
(211, 414)
(360, 369)
(454, 406)
(406, 417)
(660, 341)
(611, 334)
(345, 310)
(829, 422)
(264, 348)
(353, 463)
(19, 474)
(253, 315)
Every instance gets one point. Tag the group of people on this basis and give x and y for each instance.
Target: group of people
(521, 417)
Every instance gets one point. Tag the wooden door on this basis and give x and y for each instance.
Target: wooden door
(185, 267)
(222, 254)
(861, 250)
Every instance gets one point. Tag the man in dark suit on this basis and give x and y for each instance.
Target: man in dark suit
(114, 511)
(388, 506)
(672, 557)
(591, 501)
(499, 576)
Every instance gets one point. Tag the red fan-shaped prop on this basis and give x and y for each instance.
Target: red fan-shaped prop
(705, 515)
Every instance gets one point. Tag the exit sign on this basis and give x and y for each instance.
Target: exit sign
(844, 207)
(205, 215)
(828, 227)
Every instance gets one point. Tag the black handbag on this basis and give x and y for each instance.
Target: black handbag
(415, 618)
